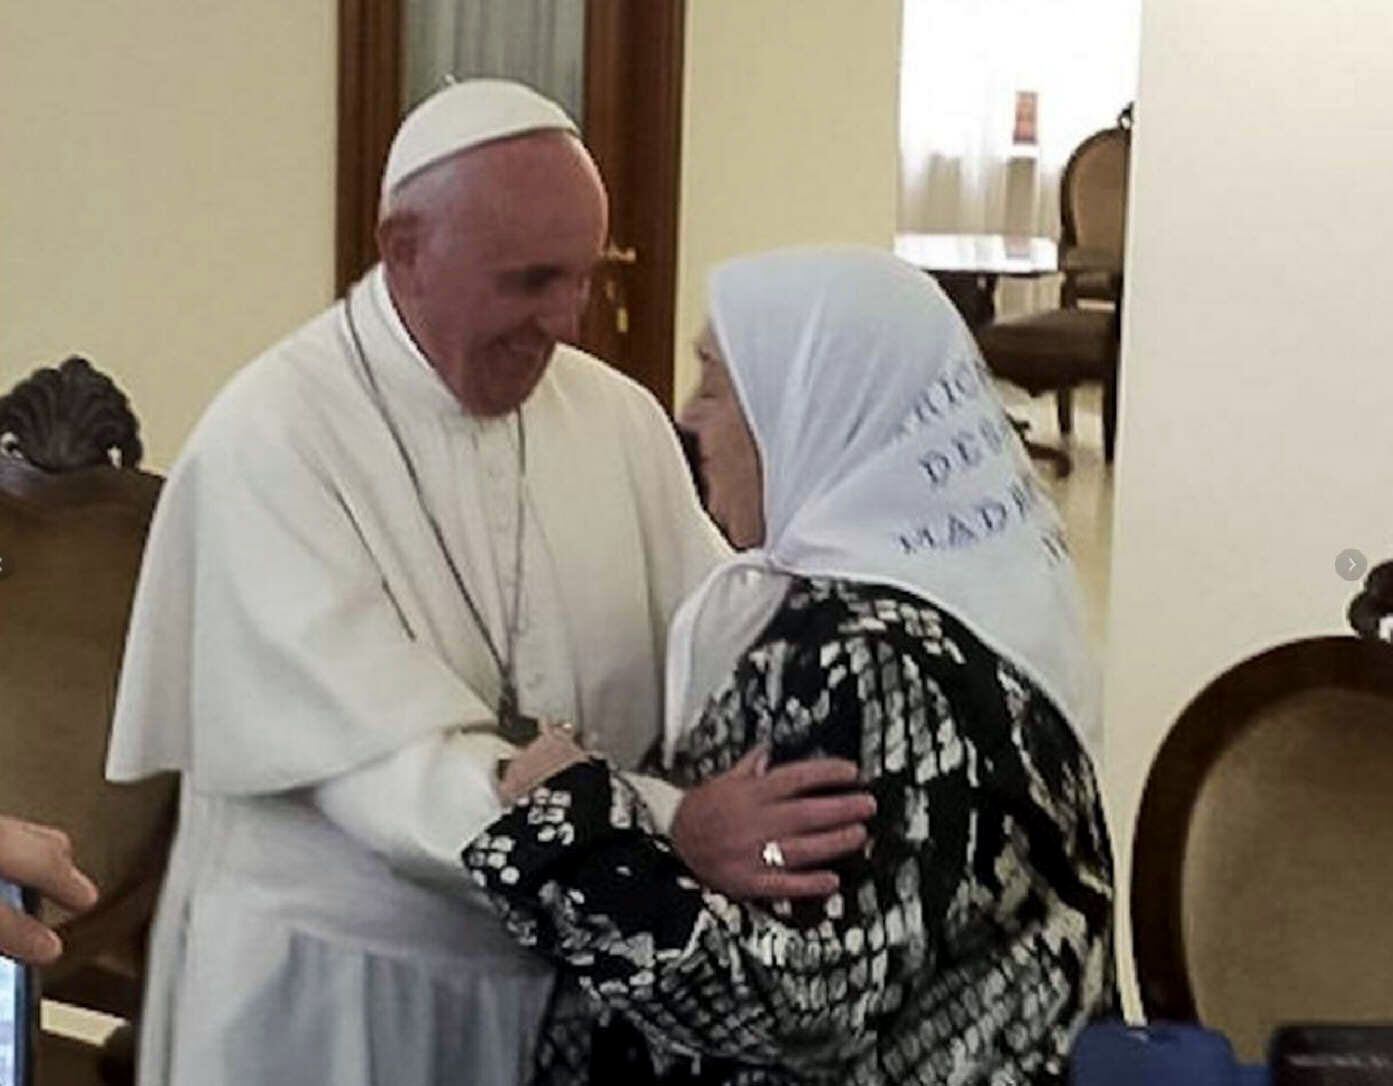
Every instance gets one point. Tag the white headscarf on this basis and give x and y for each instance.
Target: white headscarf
(887, 459)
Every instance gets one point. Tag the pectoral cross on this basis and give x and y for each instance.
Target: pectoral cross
(513, 725)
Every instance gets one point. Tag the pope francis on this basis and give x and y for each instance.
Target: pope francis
(394, 542)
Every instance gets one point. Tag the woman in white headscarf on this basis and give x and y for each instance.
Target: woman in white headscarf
(903, 599)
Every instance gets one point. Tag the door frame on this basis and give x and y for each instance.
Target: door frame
(369, 94)
(633, 126)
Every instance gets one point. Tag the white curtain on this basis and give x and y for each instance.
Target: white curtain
(538, 42)
(963, 63)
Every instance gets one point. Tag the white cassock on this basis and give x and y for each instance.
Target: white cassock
(300, 653)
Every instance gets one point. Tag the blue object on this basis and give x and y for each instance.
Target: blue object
(1164, 1054)
(19, 1008)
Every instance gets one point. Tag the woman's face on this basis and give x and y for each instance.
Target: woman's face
(729, 458)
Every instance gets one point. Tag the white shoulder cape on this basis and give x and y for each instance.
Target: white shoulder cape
(294, 618)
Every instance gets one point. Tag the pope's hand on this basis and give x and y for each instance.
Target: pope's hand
(724, 827)
(42, 858)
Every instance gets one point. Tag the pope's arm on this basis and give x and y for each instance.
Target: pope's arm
(418, 806)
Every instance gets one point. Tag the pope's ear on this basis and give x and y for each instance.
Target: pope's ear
(397, 241)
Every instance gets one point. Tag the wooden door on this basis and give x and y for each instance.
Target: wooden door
(632, 125)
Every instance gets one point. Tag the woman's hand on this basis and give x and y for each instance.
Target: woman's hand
(42, 858)
(723, 827)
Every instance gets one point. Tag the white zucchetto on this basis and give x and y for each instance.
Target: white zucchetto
(465, 115)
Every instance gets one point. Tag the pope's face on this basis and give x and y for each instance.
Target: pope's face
(730, 466)
(502, 273)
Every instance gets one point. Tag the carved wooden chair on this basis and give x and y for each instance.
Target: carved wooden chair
(1371, 612)
(1078, 342)
(74, 511)
(1260, 878)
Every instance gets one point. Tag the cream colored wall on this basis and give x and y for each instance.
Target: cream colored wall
(790, 135)
(1257, 380)
(167, 199)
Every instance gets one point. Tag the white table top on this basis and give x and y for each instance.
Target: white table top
(979, 254)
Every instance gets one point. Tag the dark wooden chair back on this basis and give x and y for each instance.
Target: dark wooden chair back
(1093, 214)
(1057, 350)
(1260, 880)
(74, 512)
